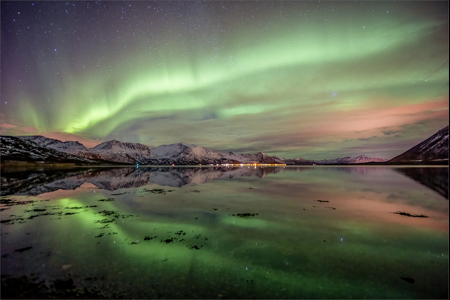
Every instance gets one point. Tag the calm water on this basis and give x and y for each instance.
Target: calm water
(311, 232)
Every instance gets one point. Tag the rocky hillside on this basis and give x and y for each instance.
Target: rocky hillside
(110, 151)
(17, 149)
(435, 148)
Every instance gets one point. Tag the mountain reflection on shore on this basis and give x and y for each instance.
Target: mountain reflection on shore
(47, 180)
(434, 178)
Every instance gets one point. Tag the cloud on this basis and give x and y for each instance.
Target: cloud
(367, 139)
(15, 130)
(390, 132)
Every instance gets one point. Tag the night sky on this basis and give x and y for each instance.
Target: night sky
(294, 79)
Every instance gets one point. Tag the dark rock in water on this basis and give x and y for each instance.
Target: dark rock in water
(244, 215)
(158, 191)
(409, 215)
(23, 249)
(408, 279)
(32, 288)
(64, 284)
(148, 238)
(194, 247)
(168, 241)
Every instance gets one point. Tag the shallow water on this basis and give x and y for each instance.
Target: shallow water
(294, 232)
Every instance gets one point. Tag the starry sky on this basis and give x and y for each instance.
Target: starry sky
(316, 80)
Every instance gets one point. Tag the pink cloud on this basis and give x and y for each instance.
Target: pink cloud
(370, 120)
(17, 130)
(11, 129)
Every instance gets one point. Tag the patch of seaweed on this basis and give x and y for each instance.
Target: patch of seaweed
(169, 241)
(194, 247)
(158, 191)
(23, 249)
(107, 200)
(244, 215)
(409, 215)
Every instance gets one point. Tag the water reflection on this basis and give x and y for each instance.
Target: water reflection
(434, 178)
(300, 232)
(36, 182)
(42, 181)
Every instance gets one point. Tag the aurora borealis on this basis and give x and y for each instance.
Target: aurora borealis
(294, 79)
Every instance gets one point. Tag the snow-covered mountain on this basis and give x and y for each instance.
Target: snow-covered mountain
(295, 161)
(349, 160)
(17, 149)
(183, 154)
(434, 148)
(110, 151)
(178, 154)
(115, 145)
(188, 154)
(53, 143)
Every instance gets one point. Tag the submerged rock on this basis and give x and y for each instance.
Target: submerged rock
(244, 215)
(408, 279)
(409, 215)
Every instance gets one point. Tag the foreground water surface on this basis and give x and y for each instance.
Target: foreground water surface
(294, 232)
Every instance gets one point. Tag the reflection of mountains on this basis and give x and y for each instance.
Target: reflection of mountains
(434, 178)
(118, 178)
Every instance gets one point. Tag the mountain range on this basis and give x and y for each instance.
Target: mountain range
(40, 148)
